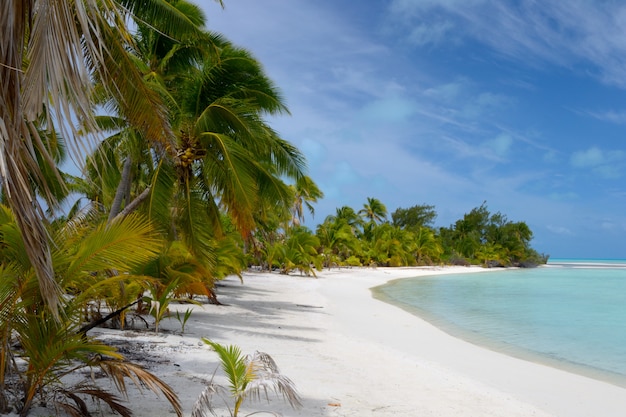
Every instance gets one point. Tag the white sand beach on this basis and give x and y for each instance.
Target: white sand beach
(352, 355)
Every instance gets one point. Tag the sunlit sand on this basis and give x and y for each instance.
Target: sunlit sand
(351, 355)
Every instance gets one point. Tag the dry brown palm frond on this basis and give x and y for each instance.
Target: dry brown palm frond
(117, 371)
(42, 63)
(79, 408)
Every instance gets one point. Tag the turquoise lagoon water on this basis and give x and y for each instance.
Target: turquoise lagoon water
(569, 314)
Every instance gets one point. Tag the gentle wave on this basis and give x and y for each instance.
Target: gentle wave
(586, 263)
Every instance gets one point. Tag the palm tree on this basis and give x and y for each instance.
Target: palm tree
(224, 157)
(301, 251)
(83, 253)
(392, 246)
(248, 377)
(428, 248)
(337, 238)
(347, 215)
(224, 154)
(373, 211)
(235, 158)
(50, 52)
(305, 193)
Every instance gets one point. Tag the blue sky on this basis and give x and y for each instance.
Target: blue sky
(455, 102)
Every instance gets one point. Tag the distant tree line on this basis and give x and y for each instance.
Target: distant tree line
(368, 237)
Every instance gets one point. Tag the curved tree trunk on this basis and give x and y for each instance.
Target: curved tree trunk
(122, 190)
(130, 207)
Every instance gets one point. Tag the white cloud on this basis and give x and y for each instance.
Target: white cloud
(567, 196)
(388, 110)
(609, 171)
(447, 92)
(500, 145)
(605, 164)
(610, 226)
(560, 230)
(592, 157)
(617, 117)
(430, 34)
(377, 118)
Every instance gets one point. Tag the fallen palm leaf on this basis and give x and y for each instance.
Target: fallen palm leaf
(119, 370)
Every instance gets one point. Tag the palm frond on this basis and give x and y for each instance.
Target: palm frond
(233, 365)
(249, 377)
(118, 371)
(110, 123)
(121, 245)
(197, 225)
(268, 378)
(230, 171)
(161, 197)
(51, 83)
(205, 400)
(136, 100)
(166, 17)
(80, 409)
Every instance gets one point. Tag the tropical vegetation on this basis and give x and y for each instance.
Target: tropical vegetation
(183, 170)
(184, 183)
(366, 237)
(249, 377)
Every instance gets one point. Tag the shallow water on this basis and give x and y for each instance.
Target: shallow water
(570, 314)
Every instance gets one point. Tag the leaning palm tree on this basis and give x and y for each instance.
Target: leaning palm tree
(235, 158)
(223, 159)
(223, 151)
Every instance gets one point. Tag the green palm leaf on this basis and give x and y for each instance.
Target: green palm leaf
(249, 377)
(121, 245)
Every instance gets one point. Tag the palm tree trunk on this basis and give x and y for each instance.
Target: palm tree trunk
(121, 191)
(130, 207)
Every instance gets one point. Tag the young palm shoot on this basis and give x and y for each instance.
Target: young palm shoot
(249, 376)
(184, 318)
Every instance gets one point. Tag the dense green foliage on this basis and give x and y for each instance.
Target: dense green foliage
(366, 238)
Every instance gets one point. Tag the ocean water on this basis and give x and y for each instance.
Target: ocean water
(569, 314)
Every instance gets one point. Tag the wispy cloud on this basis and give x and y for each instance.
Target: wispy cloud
(430, 34)
(580, 33)
(391, 109)
(607, 164)
(560, 230)
(613, 116)
(500, 145)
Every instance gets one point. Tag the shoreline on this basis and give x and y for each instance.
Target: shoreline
(500, 346)
(351, 354)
